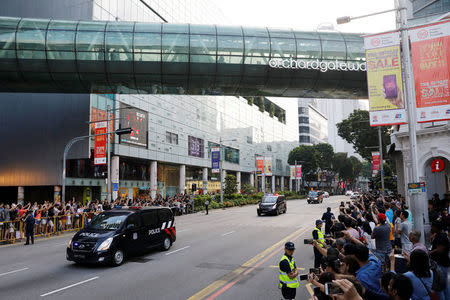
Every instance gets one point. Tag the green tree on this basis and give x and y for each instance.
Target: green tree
(272, 110)
(325, 154)
(356, 168)
(366, 170)
(389, 178)
(356, 130)
(248, 189)
(306, 156)
(261, 104)
(230, 184)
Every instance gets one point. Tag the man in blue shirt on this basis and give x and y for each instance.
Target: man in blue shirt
(389, 213)
(369, 273)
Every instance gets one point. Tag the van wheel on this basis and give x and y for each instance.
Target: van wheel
(167, 243)
(117, 258)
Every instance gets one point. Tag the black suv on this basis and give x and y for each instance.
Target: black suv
(315, 197)
(272, 204)
(113, 235)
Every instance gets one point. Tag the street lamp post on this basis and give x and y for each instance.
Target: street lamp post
(380, 144)
(75, 140)
(410, 107)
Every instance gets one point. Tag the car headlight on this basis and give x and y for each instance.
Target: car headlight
(105, 244)
(274, 206)
(69, 244)
(315, 198)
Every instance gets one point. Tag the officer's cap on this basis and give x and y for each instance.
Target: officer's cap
(289, 246)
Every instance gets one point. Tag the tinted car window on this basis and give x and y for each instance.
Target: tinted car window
(165, 215)
(269, 199)
(312, 194)
(107, 221)
(150, 218)
(133, 221)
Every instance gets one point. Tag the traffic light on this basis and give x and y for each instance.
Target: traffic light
(194, 187)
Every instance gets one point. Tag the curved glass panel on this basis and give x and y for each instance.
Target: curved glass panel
(90, 41)
(147, 42)
(148, 27)
(255, 46)
(175, 43)
(175, 28)
(62, 25)
(308, 49)
(257, 31)
(229, 30)
(284, 48)
(202, 29)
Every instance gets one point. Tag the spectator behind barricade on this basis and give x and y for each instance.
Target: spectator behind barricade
(397, 223)
(389, 213)
(410, 219)
(404, 230)
(420, 275)
(348, 226)
(400, 288)
(367, 236)
(439, 253)
(369, 272)
(385, 281)
(381, 234)
(414, 238)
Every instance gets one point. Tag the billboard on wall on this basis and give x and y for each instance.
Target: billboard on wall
(195, 146)
(100, 143)
(430, 53)
(137, 120)
(259, 165)
(268, 166)
(384, 79)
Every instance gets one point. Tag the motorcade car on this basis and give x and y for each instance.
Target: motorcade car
(326, 195)
(315, 197)
(354, 195)
(114, 235)
(348, 193)
(272, 204)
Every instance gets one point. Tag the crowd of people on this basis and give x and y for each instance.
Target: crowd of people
(371, 252)
(55, 217)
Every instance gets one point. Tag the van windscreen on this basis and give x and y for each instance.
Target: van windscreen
(107, 221)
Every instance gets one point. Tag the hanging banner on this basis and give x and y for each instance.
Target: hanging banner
(215, 160)
(259, 165)
(376, 163)
(100, 144)
(268, 166)
(294, 174)
(430, 51)
(384, 79)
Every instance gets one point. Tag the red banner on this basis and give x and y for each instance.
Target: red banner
(259, 165)
(299, 171)
(100, 144)
(376, 162)
(431, 64)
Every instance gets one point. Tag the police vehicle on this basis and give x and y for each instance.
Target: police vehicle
(114, 235)
(272, 204)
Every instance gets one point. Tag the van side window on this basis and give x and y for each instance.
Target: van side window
(165, 215)
(150, 218)
(133, 221)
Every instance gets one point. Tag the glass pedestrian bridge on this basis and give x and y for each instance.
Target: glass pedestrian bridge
(42, 55)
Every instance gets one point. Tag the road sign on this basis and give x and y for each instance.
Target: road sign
(416, 187)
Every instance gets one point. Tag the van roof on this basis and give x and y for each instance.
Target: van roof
(136, 208)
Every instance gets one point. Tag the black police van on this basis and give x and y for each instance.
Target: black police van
(272, 204)
(115, 234)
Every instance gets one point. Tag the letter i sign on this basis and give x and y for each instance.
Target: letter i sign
(437, 165)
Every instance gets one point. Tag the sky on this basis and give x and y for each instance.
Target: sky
(309, 14)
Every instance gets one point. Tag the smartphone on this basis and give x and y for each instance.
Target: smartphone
(397, 251)
(390, 86)
(314, 271)
(303, 277)
(331, 289)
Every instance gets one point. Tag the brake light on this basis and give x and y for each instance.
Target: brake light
(135, 207)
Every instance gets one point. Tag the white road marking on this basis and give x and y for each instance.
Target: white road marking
(178, 231)
(178, 250)
(69, 286)
(227, 233)
(15, 271)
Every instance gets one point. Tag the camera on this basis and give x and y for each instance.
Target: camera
(308, 241)
(332, 289)
(314, 271)
(303, 277)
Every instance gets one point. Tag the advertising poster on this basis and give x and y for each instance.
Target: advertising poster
(299, 171)
(268, 166)
(430, 53)
(384, 79)
(195, 146)
(292, 172)
(215, 160)
(100, 144)
(376, 162)
(259, 165)
(137, 120)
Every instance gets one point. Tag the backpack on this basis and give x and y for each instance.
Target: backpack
(439, 280)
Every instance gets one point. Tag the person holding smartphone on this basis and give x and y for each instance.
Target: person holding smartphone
(288, 272)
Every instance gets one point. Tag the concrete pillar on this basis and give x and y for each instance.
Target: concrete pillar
(20, 194)
(273, 184)
(282, 183)
(238, 179)
(182, 184)
(290, 184)
(114, 175)
(263, 183)
(153, 178)
(252, 180)
(205, 180)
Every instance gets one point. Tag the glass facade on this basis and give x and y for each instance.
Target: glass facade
(156, 58)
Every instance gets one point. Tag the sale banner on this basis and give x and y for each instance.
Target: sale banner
(384, 79)
(376, 163)
(259, 165)
(100, 144)
(430, 51)
(268, 166)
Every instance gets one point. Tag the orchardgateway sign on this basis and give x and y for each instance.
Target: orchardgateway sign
(323, 66)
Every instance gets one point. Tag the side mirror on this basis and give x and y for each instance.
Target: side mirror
(130, 226)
